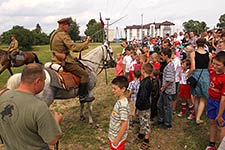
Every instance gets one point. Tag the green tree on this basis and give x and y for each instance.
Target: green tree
(94, 29)
(221, 24)
(37, 29)
(195, 26)
(24, 37)
(74, 31)
(39, 37)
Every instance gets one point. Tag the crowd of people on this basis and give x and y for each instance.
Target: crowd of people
(158, 71)
(156, 74)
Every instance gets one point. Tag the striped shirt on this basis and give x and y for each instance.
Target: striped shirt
(134, 86)
(120, 113)
(169, 76)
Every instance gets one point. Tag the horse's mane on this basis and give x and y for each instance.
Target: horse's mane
(92, 52)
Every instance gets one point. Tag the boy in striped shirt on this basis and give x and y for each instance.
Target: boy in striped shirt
(119, 119)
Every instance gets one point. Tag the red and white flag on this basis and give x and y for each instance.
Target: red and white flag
(102, 22)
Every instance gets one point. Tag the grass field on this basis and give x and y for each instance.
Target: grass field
(79, 135)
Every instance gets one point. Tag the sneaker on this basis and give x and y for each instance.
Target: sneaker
(190, 117)
(167, 126)
(211, 148)
(157, 123)
(181, 114)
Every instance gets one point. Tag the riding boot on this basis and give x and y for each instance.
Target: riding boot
(83, 94)
(13, 61)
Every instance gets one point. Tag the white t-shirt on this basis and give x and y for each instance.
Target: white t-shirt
(177, 66)
(133, 62)
(183, 77)
(127, 61)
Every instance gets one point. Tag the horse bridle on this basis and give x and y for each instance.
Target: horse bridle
(110, 54)
(105, 63)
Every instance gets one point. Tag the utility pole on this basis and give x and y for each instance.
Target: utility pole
(141, 26)
(107, 32)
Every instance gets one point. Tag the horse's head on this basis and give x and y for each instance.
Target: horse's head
(108, 59)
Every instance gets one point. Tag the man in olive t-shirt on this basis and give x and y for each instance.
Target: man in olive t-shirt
(25, 121)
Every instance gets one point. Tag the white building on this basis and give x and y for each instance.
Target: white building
(138, 32)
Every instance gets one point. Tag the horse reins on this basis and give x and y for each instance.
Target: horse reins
(104, 60)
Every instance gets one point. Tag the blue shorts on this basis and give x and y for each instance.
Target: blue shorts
(213, 109)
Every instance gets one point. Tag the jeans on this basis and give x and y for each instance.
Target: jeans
(164, 106)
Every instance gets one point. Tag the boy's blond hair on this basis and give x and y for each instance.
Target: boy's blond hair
(148, 68)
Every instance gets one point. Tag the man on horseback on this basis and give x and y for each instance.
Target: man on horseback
(13, 49)
(61, 44)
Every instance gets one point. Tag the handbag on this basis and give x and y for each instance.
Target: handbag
(192, 81)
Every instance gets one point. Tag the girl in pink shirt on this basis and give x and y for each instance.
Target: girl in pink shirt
(119, 65)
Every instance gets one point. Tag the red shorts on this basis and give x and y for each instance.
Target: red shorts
(120, 146)
(185, 91)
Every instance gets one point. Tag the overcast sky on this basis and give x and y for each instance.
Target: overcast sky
(28, 13)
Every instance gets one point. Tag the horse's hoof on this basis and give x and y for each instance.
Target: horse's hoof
(82, 118)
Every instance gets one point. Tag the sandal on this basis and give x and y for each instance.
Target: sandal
(198, 122)
(145, 146)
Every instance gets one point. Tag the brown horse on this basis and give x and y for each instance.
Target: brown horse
(24, 58)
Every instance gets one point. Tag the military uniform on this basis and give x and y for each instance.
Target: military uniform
(13, 48)
(61, 44)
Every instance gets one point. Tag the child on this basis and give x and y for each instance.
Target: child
(155, 61)
(146, 53)
(155, 93)
(119, 65)
(185, 94)
(143, 59)
(132, 64)
(126, 61)
(216, 100)
(183, 54)
(143, 104)
(138, 65)
(177, 66)
(118, 126)
(132, 94)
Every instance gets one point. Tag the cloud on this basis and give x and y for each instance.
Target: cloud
(28, 13)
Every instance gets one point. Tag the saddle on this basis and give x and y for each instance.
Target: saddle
(65, 79)
(68, 80)
(19, 56)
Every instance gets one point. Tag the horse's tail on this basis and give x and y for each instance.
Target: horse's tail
(36, 58)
